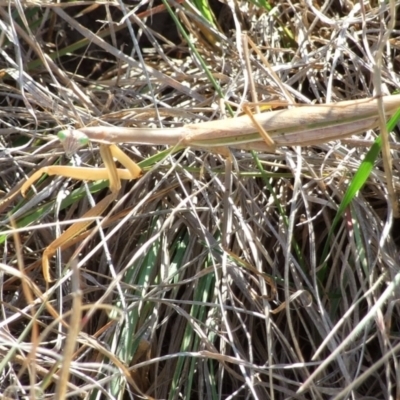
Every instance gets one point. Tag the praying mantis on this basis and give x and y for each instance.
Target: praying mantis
(299, 126)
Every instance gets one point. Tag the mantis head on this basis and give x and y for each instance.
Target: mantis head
(72, 140)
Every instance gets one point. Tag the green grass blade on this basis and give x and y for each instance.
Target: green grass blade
(356, 184)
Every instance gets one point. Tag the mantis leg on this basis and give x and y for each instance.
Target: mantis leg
(74, 230)
(132, 171)
(110, 172)
(267, 139)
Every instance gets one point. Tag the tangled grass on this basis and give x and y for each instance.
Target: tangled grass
(211, 278)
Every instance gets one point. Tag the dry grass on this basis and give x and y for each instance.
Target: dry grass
(208, 280)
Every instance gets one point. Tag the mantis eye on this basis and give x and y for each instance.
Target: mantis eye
(72, 140)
